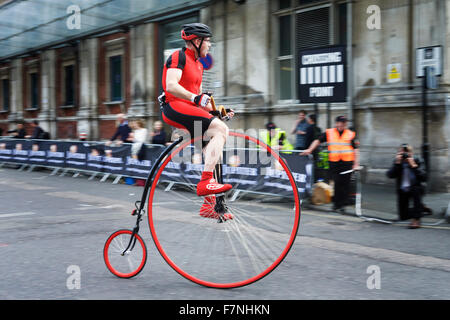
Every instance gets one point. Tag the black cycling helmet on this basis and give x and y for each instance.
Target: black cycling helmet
(192, 31)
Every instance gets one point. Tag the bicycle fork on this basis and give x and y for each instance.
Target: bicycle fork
(133, 239)
(139, 211)
(220, 206)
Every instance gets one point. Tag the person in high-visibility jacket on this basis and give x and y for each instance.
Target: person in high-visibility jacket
(343, 156)
(275, 138)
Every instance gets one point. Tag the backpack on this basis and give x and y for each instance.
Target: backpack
(44, 135)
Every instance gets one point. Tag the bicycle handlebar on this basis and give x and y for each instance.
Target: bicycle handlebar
(221, 113)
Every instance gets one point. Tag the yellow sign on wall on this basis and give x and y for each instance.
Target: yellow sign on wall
(394, 72)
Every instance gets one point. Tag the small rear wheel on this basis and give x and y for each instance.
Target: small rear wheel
(121, 262)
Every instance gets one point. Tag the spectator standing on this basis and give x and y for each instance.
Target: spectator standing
(123, 131)
(158, 134)
(299, 130)
(275, 138)
(139, 136)
(37, 131)
(19, 132)
(343, 157)
(406, 170)
(312, 133)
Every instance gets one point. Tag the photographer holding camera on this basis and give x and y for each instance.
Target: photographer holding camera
(406, 169)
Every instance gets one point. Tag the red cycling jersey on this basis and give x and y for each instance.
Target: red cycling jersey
(191, 78)
(181, 113)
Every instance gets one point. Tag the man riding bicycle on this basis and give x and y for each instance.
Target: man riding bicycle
(186, 107)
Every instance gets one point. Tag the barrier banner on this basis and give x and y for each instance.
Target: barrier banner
(114, 159)
(243, 168)
(18, 150)
(256, 171)
(6, 150)
(102, 158)
(246, 169)
(192, 167)
(302, 169)
(141, 168)
(95, 156)
(250, 170)
(76, 155)
(56, 153)
(37, 154)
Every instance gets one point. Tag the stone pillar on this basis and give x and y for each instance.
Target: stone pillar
(235, 50)
(47, 115)
(257, 47)
(214, 78)
(367, 55)
(143, 91)
(88, 112)
(16, 112)
(139, 67)
(151, 74)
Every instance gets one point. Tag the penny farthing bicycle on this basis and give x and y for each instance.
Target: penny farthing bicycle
(224, 241)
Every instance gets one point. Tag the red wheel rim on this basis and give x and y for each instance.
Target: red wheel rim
(108, 263)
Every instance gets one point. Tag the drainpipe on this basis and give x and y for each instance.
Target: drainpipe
(411, 43)
(350, 63)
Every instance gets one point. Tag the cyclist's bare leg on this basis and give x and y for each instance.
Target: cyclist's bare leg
(218, 131)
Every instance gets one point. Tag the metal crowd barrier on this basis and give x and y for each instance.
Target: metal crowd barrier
(65, 170)
(11, 153)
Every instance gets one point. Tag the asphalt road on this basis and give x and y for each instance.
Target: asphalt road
(52, 226)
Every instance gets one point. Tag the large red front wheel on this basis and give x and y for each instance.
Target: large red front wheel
(260, 228)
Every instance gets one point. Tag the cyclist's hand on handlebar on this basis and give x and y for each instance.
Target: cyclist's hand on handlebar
(230, 113)
(202, 100)
(228, 116)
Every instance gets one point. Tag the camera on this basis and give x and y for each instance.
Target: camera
(405, 149)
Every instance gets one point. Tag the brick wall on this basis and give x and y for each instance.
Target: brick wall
(4, 128)
(107, 129)
(67, 130)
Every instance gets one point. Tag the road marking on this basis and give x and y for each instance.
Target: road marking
(378, 254)
(435, 227)
(112, 206)
(359, 220)
(331, 216)
(23, 185)
(17, 214)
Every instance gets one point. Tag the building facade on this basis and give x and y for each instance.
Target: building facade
(79, 85)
